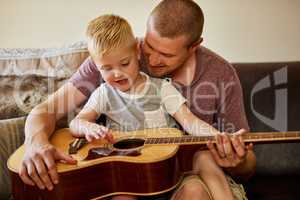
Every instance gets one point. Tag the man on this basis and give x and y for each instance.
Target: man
(172, 48)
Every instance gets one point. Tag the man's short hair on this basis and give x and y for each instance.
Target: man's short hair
(107, 33)
(173, 18)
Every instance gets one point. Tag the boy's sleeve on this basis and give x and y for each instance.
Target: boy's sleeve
(98, 101)
(171, 97)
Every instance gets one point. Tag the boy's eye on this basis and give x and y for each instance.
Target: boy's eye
(125, 64)
(105, 68)
(167, 55)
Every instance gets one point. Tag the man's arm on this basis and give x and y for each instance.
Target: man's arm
(245, 169)
(232, 154)
(38, 165)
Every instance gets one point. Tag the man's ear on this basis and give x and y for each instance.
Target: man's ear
(195, 45)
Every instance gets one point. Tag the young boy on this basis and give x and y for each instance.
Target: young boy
(132, 100)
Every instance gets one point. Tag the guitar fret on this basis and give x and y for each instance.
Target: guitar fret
(193, 139)
(162, 141)
(272, 136)
(248, 137)
(184, 139)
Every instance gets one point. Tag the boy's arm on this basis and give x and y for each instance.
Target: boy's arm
(174, 103)
(192, 124)
(83, 125)
(79, 124)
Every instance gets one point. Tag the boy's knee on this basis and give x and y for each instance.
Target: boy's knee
(202, 156)
(203, 161)
(194, 191)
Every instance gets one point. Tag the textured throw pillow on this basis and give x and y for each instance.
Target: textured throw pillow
(28, 76)
(11, 137)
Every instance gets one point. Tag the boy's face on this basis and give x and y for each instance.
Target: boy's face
(120, 67)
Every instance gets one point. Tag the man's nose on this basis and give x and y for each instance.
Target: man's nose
(154, 59)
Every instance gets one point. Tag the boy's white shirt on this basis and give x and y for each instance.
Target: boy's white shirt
(171, 97)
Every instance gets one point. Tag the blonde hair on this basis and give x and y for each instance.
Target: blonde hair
(107, 33)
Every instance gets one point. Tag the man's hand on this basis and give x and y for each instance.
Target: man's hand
(38, 165)
(229, 152)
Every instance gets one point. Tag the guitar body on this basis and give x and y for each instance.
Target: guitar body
(149, 170)
(142, 163)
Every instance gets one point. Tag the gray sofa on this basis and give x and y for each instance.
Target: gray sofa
(272, 102)
(28, 76)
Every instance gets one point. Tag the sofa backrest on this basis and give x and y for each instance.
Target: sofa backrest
(28, 76)
(272, 102)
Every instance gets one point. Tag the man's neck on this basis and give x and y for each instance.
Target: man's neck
(184, 75)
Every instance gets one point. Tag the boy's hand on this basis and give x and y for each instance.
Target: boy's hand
(95, 132)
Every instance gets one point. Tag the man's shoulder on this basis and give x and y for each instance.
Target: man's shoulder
(89, 63)
(212, 61)
(87, 78)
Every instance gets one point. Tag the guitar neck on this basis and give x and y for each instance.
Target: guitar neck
(257, 137)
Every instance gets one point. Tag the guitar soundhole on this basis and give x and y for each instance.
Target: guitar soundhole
(129, 143)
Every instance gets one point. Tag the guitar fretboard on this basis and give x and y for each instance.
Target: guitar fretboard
(263, 137)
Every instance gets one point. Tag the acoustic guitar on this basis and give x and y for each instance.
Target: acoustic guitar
(143, 163)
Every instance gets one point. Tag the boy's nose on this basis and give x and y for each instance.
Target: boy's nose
(117, 74)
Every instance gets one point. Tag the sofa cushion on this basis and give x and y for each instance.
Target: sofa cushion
(28, 76)
(11, 137)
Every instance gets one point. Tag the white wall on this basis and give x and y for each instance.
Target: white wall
(239, 30)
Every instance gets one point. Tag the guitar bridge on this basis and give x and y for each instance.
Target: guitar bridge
(76, 145)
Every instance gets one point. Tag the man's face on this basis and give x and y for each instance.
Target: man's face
(119, 68)
(164, 55)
